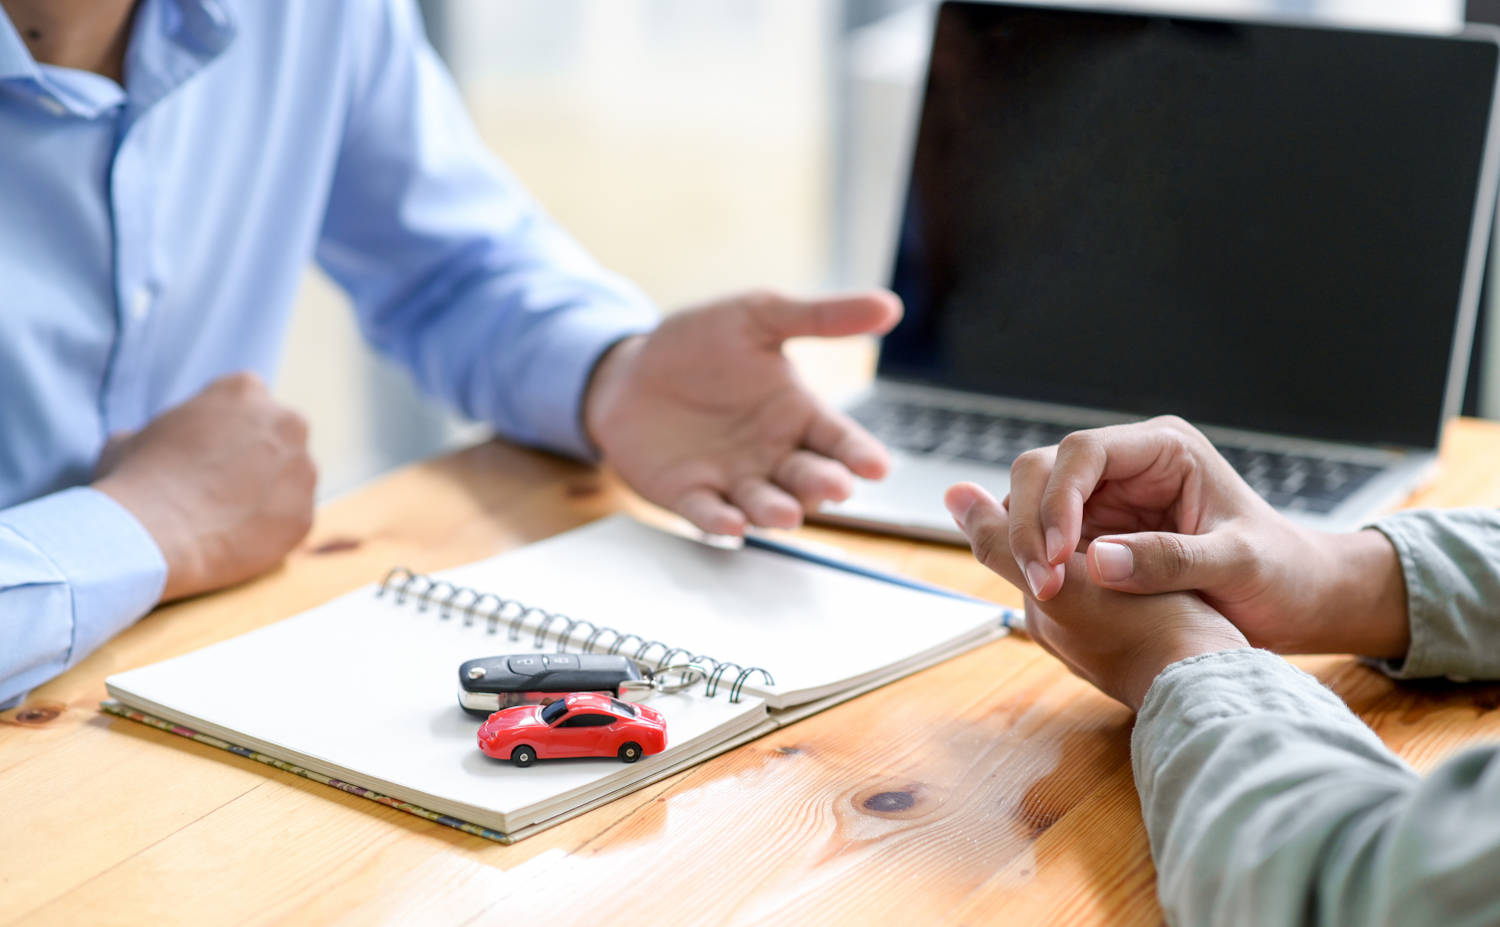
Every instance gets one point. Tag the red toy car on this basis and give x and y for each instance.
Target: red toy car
(579, 724)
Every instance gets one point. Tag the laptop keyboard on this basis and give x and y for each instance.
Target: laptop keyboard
(1288, 481)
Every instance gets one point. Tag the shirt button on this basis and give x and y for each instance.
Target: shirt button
(52, 106)
(140, 304)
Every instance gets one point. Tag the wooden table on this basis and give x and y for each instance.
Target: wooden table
(993, 788)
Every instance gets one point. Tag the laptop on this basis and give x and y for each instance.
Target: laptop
(1276, 231)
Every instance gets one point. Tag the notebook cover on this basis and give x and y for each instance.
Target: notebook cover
(115, 708)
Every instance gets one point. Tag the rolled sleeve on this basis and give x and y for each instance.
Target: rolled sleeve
(76, 568)
(1450, 561)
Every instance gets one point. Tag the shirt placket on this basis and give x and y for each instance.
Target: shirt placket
(172, 41)
(126, 396)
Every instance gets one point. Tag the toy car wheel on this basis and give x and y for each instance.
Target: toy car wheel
(630, 751)
(523, 755)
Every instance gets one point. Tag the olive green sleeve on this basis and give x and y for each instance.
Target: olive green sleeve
(1268, 802)
(1451, 563)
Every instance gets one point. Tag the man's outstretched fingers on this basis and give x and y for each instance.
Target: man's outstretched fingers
(781, 317)
(834, 434)
(708, 511)
(1161, 561)
(813, 479)
(985, 523)
(767, 505)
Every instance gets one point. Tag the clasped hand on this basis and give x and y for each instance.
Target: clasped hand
(1116, 641)
(1136, 520)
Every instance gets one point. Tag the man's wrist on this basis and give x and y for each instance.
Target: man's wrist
(165, 528)
(1360, 606)
(604, 381)
(1175, 648)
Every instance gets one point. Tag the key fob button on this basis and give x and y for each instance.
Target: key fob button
(560, 661)
(524, 666)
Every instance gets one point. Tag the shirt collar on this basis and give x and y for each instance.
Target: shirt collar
(170, 41)
(205, 26)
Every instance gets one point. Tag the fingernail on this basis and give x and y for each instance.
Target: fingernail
(1054, 544)
(960, 510)
(1115, 561)
(1036, 576)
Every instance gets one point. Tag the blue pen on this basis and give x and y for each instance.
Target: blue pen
(1010, 618)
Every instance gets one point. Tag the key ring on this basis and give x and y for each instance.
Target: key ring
(688, 675)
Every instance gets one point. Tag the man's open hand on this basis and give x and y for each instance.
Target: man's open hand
(223, 483)
(706, 417)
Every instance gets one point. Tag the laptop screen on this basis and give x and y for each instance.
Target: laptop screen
(1255, 226)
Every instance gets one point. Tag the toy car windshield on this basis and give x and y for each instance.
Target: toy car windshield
(556, 710)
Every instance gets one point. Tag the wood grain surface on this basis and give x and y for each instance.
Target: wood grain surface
(994, 788)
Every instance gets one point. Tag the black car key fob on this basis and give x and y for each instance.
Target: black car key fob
(489, 684)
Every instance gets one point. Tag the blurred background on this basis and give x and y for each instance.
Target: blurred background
(698, 148)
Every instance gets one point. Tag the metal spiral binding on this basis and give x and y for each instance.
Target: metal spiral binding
(403, 584)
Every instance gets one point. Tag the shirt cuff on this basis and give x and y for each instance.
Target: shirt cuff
(576, 341)
(111, 564)
(1447, 563)
(1222, 687)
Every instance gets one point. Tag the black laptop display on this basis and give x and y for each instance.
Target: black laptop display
(1251, 225)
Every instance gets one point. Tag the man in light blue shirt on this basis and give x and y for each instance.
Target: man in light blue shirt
(168, 167)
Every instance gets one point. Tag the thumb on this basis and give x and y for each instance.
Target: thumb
(780, 317)
(1162, 561)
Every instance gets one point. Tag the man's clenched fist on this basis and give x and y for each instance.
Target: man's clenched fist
(223, 483)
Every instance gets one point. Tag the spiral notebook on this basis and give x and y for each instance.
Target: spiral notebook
(360, 693)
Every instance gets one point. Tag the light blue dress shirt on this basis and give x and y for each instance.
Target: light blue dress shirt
(152, 238)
